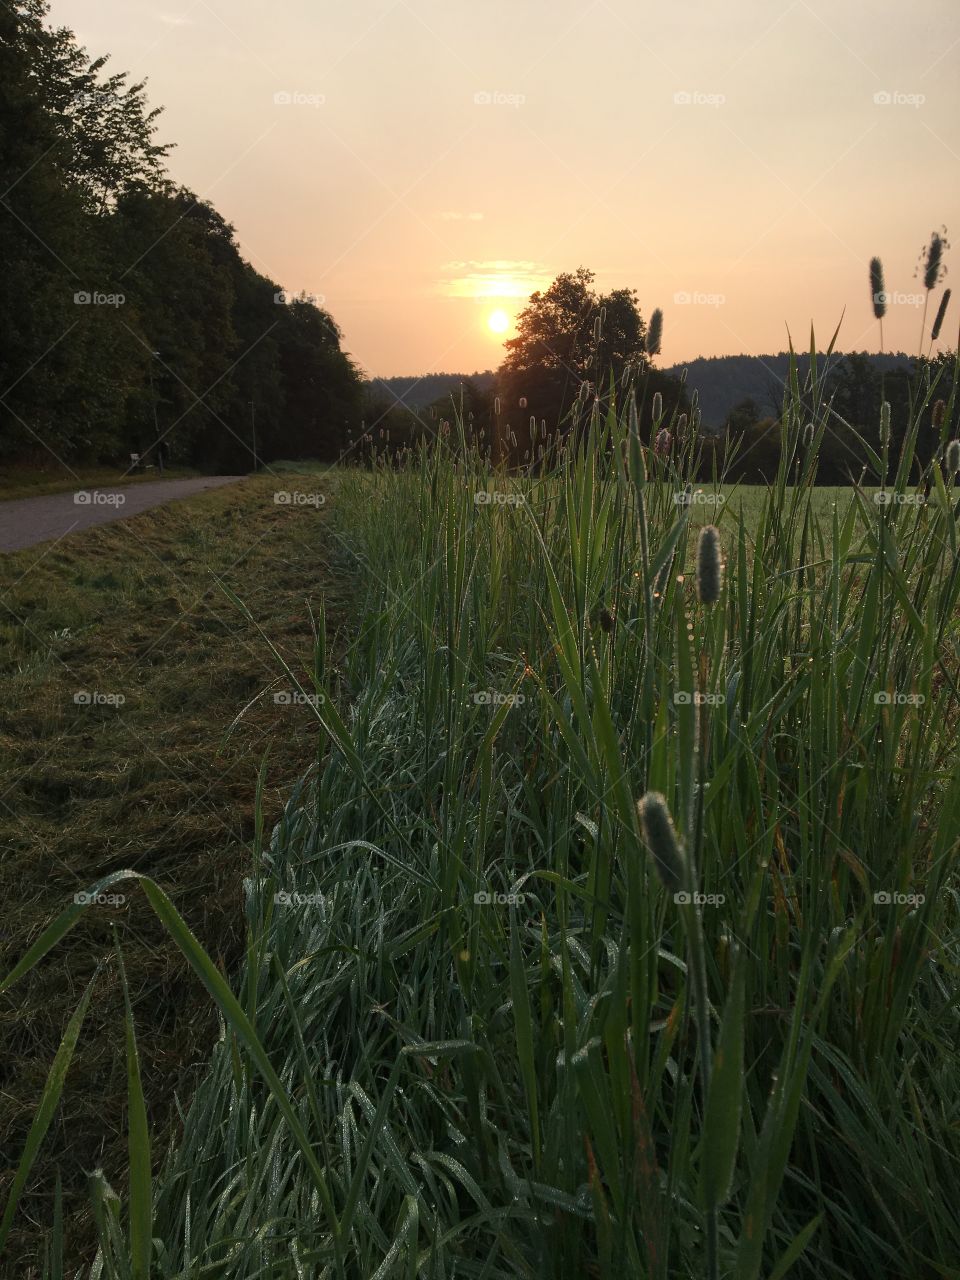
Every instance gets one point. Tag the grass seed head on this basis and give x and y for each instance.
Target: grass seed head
(662, 841)
(877, 292)
(953, 457)
(941, 312)
(709, 565)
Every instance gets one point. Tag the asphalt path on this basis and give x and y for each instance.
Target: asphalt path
(25, 522)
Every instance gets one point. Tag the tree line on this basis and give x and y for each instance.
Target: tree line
(128, 316)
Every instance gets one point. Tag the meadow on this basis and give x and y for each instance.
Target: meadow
(613, 927)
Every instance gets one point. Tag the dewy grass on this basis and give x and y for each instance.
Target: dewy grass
(472, 1028)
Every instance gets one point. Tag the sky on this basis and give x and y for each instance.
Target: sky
(421, 166)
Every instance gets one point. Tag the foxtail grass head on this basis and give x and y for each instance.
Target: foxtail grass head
(933, 263)
(878, 295)
(941, 313)
(661, 839)
(939, 411)
(657, 407)
(709, 565)
(885, 423)
(952, 457)
(661, 445)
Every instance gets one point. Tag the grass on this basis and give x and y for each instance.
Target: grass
(472, 1032)
(160, 782)
(20, 481)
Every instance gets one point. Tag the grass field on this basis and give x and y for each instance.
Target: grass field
(160, 781)
(487, 1018)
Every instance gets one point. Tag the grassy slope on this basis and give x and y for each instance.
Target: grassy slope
(133, 608)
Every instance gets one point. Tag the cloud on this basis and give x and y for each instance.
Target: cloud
(499, 278)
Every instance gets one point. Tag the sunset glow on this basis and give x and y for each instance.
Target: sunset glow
(407, 160)
(498, 321)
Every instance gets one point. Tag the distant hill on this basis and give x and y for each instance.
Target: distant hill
(419, 392)
(720, 381)
(724, 381)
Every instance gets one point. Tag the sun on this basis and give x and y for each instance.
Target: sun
(498, 321)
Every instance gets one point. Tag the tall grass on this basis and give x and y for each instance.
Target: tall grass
(487, 1039)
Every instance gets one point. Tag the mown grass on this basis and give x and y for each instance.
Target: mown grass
(160, 782)
(472, 1030)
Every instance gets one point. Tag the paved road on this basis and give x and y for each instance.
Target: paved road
(27, 521)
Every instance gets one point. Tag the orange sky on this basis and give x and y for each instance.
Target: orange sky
(422, 163)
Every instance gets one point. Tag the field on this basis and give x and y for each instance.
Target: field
(611, 926)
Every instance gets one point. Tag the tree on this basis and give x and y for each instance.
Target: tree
(192, 346)
(569, 335)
